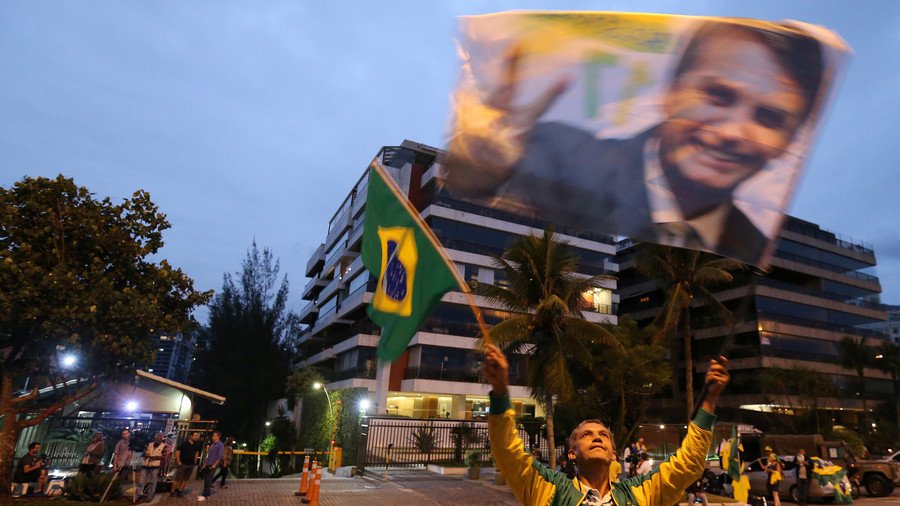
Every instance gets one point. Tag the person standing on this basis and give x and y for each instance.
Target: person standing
(91, 459)
(214, 458)
(186, 457)
(773, 470)
(31, 468)
(150, 462)
(803, 473)
(122, 453)
(226, 462)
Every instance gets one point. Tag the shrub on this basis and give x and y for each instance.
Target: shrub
(82, 488)
(423, 439)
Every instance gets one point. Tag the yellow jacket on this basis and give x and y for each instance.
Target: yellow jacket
(535, 484)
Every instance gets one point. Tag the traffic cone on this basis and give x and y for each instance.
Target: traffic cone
(304, 478)
(316, 486)
(308, 499)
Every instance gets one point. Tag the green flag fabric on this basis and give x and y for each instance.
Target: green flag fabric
(733, 457)
(412, 271)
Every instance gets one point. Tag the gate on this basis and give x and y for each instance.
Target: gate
(417, 442)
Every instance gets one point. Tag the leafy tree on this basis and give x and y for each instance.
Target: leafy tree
(855, 355)
(801, 390)
(78, 278)
(686, 276)
(300, 382)
(620, 385)
(250, 342)
(888, 360)
(551, 331)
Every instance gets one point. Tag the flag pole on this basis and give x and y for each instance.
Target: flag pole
(463, 286)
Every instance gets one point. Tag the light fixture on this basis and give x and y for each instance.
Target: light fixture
(317, 385)
(364, 405)
(131, 405)
(69, 360)
(268, 423)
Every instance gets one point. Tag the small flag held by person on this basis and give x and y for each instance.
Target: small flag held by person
(731, 457)
(413, 271)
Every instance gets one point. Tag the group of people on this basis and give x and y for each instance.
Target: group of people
(158, 457)
(636, 458)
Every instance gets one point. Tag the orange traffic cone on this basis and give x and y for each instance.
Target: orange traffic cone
(316, 487)
(310, 491)
(304, 479)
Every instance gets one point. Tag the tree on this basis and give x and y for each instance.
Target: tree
(855, 355)
(250, 342)
(78, 279)
(686, 276)
(888, 360)
(622, 385)
(800, 390)
(552, 332)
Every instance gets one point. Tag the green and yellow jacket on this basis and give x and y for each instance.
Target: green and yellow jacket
(535, 484)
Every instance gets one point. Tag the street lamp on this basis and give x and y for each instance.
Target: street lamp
(317, 386)
(69, 360)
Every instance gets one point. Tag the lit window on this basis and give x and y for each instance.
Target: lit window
(598, 299)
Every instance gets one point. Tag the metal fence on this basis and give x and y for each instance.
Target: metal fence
(417, 442)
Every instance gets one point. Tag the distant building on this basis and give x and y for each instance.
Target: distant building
(174, 356)
(818, 290)
(438, 375)
(890, 327)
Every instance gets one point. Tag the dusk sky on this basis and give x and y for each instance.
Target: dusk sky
(253, 119)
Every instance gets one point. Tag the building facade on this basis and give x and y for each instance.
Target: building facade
(174, 356)
(438, 376)
(818, 289)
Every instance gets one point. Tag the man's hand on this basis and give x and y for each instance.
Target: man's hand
(496, 369)
(716, 379)
(488, 137)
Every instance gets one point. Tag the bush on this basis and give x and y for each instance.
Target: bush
(423, 439)
(473, 458)
(82, 488)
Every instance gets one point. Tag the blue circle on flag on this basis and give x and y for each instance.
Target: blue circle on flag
(394, 281)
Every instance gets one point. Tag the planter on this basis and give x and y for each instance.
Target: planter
(474, 473)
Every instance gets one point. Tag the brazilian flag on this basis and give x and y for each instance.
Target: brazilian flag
(413, 271)
(731, 456)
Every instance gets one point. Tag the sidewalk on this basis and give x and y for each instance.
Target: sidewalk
(406, 487)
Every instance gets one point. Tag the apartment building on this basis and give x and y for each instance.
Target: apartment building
(438, 376)
(818, 289)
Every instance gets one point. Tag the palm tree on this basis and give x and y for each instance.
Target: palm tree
(855, 355)
(888, 360)
(551, 331)
(687, 276)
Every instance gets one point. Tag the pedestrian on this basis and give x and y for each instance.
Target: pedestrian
(645, 466)
(186, 457)
(31, 468)
(122, 454)
(803, 472)
(214, 458)
(593, 443)
(150, 462)
(697, 490)
(774, 474)
(226, 462)
(91, 459)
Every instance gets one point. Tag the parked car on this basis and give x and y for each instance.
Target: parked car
(788, 489)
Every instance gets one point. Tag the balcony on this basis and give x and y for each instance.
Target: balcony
(461, 374)
(354, 373)
(314, 264)
(308, 313)
(312, 288)
(339, 227)
(811, 230)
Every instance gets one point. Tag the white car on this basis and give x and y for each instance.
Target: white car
(788, 488)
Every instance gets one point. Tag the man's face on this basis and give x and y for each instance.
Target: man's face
(593, 442)
(215, 438)
(194, 437)
(729, 113)
(159, 438)
(36, 450)
(126, 435)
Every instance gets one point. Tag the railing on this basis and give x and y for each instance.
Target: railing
(824, 265)
(459, 205)
(783, 285)
(354, 373)
(829, 237)
(463, 374)
(782, 318)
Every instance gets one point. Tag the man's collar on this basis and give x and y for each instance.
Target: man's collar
(664, 207)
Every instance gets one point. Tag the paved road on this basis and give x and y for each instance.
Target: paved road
(404, 487)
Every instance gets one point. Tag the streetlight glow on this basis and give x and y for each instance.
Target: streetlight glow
(69, 360)
(268, 423)
(131, 405)
(364, 405)
(317, 385)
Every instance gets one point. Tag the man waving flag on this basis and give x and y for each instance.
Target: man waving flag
(731, 456)
(413, 271)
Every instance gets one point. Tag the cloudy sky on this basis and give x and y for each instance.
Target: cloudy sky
(253, 119)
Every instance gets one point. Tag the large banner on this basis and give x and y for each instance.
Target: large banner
(684, 131)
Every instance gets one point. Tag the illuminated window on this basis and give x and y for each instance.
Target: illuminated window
(598, 299)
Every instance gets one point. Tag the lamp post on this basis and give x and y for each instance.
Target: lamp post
(317, 386)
